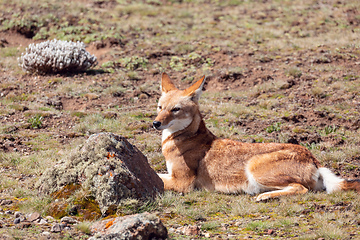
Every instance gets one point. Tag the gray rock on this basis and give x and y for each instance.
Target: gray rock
(56, 228)
(34, 216)
(110, 167)
(22, 218)
(138, 226)
(17, 214)
(69, 220)
(42, 222)
(17, 220)
(5, 202)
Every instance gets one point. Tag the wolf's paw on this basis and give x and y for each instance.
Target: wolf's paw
(262, 197)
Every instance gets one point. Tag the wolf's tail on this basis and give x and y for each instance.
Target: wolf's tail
(333, 183)
(351, 184)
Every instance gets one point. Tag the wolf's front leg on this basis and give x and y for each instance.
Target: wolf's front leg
(177, 184)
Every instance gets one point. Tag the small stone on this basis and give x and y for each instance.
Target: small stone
(34, 216)
(138, 226)
(8, 212)
(6, 202)
(25, 224)
(270, 231)
(17, 220)
(191, 230)
(63, 226)
(46, 233)
(36, 221)
(42, 221)
(17, 214)
(207, 235)
(56, 228)
(22, 218)
(69, 220)
(143, 96)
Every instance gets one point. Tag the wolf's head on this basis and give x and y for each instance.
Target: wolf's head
(177, 108)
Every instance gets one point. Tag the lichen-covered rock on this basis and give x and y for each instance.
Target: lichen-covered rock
(108, 166)
(56, 56)
(138, 226)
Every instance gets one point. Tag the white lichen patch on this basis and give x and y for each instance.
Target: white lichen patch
(54, 56)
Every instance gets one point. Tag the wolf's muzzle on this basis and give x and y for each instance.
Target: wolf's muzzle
(156, 124)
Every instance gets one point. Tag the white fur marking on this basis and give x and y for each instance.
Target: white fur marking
(331, 182)
(253, 186)
(169, 166)
(175, 126)
(165, 176)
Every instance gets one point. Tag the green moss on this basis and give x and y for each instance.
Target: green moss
(66, 191)
(89, 208)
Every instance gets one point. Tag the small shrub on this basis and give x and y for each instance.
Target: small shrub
(294, 72)
(318, 92)
(134, 62)
(36, 121)
(84, 227)
(56, 56)
(210, 226)
(311, 146)
(274, 128)
(330, 129)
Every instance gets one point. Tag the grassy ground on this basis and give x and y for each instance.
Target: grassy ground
(278, 71)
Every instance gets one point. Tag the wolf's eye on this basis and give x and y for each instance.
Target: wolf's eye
(159, 107)
(175, 109)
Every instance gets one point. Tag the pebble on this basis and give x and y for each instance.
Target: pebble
(25, 224)
(191, 230)
(17, 214)
(8, 212)
(56, 228)
(46, 233)
(69, 220)
(42, 221)
(17, 220)
(22, 218)
(5, 202)
(63, 226)
(34, 216)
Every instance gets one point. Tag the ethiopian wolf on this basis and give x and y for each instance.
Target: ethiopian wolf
(195, 158)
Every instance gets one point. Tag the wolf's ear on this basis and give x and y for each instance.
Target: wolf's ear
(166, 84)
(195, 90)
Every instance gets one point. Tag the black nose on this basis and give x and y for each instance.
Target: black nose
(156, 124)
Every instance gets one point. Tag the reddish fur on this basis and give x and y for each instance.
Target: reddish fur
(201, 160)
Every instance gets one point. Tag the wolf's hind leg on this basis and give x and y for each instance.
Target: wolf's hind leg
(291, 189)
